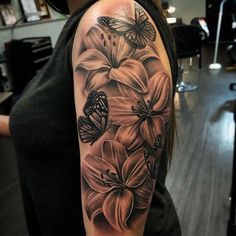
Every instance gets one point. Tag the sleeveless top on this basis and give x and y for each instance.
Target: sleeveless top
(44, 130)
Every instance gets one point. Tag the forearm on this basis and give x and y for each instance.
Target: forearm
(4, 126)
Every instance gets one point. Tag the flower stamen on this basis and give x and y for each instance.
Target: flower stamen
(111, 179)
(144, 110)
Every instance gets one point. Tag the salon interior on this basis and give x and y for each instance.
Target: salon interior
(202, 175)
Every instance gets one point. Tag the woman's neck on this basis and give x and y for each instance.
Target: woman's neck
(76, 4)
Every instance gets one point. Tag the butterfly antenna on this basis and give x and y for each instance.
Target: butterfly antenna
(153, 48)
(125, 13)
(126, 16)
(109, 125)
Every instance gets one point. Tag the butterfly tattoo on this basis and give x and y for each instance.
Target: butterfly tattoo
(151, 155)
(137, 31)
(94, 123)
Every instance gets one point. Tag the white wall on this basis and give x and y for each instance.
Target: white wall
(188, 9)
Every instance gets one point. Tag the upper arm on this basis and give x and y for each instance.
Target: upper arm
(123, 99)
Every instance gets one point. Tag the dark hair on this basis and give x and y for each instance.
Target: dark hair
(169, 43)
(59, 6)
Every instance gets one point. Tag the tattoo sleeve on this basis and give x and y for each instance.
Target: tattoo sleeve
(122, 122)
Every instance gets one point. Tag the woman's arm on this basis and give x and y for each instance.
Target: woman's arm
(123, 94)
(4, 126)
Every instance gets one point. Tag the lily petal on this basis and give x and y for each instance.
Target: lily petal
(123, 50)
(165, 114)
(159, 86)
(114, 153)
(126, 91)
(118, 207)
(97, 79)
(97, 38)
(144, 54)
(121, 110)
(134, 171)
(131, 73)
(143, 194)
(92, 59)
(110, 44)
(93, 169)
(130, 136)
(151, 128)
(153, 66)
(93, 204)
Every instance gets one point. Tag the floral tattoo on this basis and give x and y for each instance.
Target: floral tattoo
(125, 117)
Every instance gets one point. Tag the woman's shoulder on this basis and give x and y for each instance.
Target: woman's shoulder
(104, 7)
(124, 17)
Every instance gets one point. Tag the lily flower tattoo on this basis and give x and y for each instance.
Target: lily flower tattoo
(118, 184)
(144, 119)
(126, 94)
(110, 58)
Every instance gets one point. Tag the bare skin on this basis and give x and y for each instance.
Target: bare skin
(123, 95)
(4, 126)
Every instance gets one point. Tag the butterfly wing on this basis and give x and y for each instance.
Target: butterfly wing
(86, 130)
(142, 30)
(149, 31)
(140, 15)
(117, 25)
(136, 38)
(120, 26)
(141, 19)
(136, 31)
(96, 109)
(157, 143)
(151, 155)
(94, 124)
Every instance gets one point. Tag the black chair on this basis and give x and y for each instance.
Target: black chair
(25, 58)
(188, 40)
(201, 23)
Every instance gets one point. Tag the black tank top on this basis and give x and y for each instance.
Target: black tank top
(44, 130)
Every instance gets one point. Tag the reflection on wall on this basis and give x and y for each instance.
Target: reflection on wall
(188, 9)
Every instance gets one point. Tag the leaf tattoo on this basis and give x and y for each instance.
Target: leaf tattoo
(94, 123)
(137, 31)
